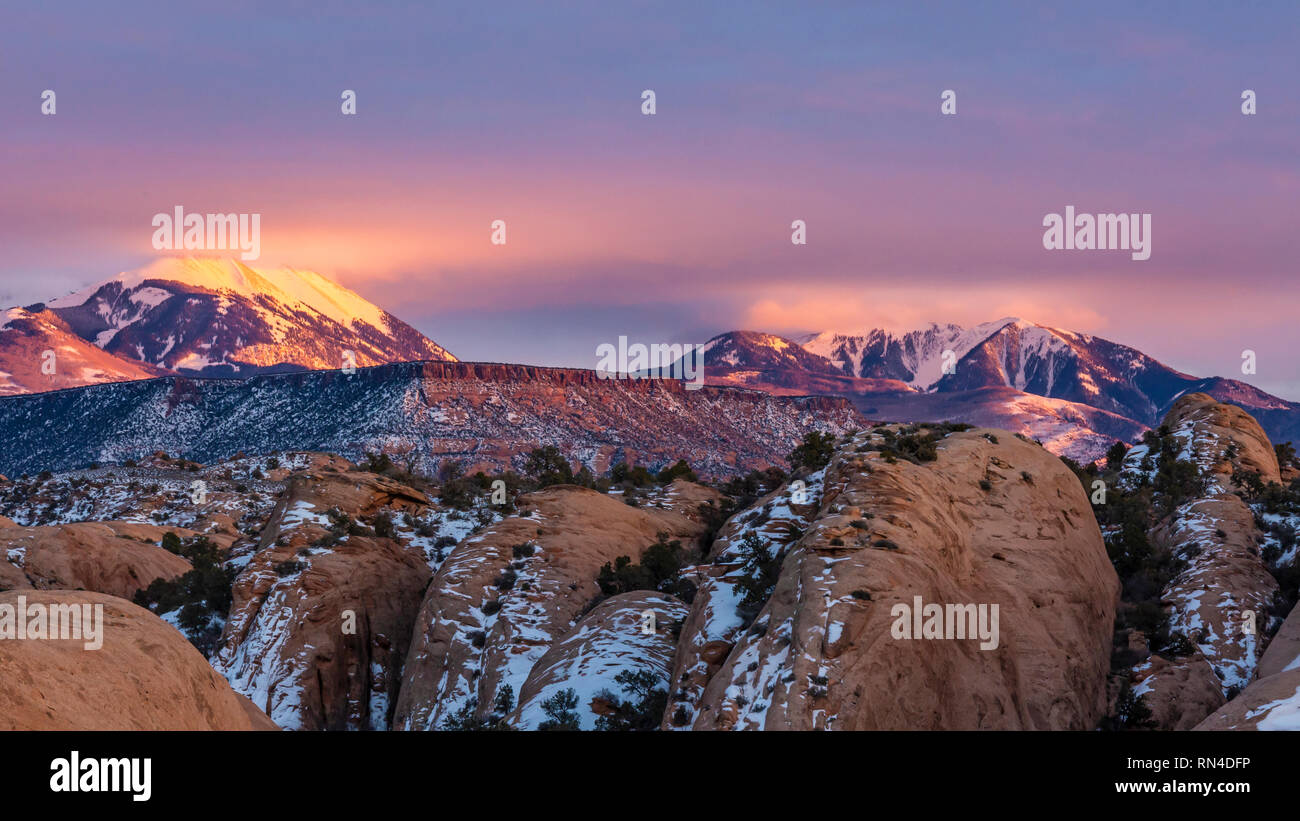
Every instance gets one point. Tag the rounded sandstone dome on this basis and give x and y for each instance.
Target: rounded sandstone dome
(144, 676)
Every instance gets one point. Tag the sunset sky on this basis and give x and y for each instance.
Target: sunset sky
(675, 227)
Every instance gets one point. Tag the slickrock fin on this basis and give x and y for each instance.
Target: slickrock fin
(820, 653)
(505, 597)
(146, 676)
(1225, 579)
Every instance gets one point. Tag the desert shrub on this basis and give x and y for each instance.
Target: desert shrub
(680, 470)
(547, 466)
(459, 493)
(171, 542)
(1288, 588)
(288, 567)
(464, 719)
(1285, 453)
(382, 464)
(1178, 646)
(657, 570)
(1176, 481)
(745, 489)
(560, 712)
(623, 576)
(200, 594)
(1131, 712)
(641, 710)
(915, 448)
(761, 566)
(1150, 618)
(1115, 455)
(664, 558)
(383, 525)
(634, 475)
(814, 452)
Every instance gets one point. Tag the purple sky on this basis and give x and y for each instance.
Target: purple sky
(676, 227)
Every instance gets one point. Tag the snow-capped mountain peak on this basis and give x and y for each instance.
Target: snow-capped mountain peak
(1002, 371)
(916, 357)
(220, 317)
(289, 286)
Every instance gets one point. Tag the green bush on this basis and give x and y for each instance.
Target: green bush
(657, 570)
(680, 470)
(464, 719)
(1131, 712)
(200, 594)
(288, 567)
(171, 542)
(814, 452)
(1285, 453)
(560, 712)
(548, 466)
(459, 493)
(681, 717)
(761, 566)
(1115, 455)
(642, 710)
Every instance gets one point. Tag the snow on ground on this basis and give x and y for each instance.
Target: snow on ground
(1283, 714)
(254, 666)
(168, 497)
(592, 657)
(720, 594)
(300, 513)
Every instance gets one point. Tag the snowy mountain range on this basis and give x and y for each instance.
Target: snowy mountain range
(1075, 392)
(220, 318)
(200, 317)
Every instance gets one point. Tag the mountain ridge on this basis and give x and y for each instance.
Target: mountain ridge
(905, 372)
(484, 415)
(219, 318)
(213, 316)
